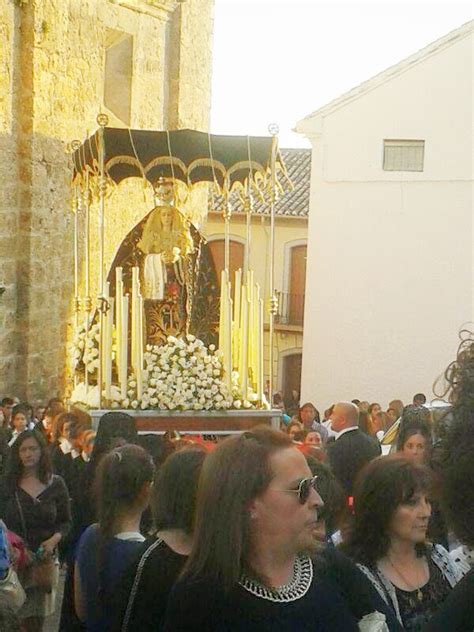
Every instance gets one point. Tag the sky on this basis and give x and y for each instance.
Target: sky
(276, 62)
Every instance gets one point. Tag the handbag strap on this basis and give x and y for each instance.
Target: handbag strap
(22, 517)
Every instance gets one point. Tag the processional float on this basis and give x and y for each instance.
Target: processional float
(120, 349)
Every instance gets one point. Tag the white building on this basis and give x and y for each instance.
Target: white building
(391, 233)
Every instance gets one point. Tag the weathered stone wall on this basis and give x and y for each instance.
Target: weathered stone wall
(8, 203)
(52, 66)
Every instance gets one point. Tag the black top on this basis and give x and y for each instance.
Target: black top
(456, 614)
(348, 455)
(417, 607)
(339, 596)
(43, 516)
(139, 600)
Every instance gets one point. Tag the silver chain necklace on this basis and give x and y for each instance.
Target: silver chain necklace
(295, 589)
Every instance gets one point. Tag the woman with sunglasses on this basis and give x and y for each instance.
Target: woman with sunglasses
(251, 565)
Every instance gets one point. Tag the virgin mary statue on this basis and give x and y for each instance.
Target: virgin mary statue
(166, 243)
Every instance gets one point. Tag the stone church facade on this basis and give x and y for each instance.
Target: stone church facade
(147, 65)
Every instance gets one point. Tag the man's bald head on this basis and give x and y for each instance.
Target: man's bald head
(344, 415)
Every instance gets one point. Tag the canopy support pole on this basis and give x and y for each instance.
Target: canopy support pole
(273, 303)
(102, 120)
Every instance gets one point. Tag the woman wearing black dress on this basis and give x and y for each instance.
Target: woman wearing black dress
(34, 503)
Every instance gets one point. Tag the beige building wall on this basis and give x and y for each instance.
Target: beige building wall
(390, 266)
(51, 90)
(288, 232)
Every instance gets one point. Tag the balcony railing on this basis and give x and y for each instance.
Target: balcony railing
(290, 309)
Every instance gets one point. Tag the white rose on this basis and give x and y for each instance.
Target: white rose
(212, 347)
(216, 372)
(134, 404)
(247, 404)
(237, 403)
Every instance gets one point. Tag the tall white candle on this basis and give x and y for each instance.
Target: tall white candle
(124, 349)
(109, 326)
(244, 344)
(140, 337)
(260, 386)
(236, 324)
(118, 318)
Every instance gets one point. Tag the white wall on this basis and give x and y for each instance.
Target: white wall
(390, 257)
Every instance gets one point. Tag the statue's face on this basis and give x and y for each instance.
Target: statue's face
(167, 218)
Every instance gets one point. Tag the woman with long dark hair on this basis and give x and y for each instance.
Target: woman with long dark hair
(387, 540)
(250, 566)
(115, 429)
(105, 549)
(34, 503)
(140, 599)
(414, 441)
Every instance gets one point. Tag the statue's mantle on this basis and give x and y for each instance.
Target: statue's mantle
(197, 422)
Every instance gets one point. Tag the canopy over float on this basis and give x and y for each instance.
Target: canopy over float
(126, 368)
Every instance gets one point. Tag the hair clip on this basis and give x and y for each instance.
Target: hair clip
(118, 455)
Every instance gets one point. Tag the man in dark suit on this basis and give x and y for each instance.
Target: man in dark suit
(352, 448)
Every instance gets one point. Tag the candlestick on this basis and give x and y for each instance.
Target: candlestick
(243, 370)
(109, 326)
(118, 318)
(260, 352)
(140, 348)
(124, 348)
(236, 324)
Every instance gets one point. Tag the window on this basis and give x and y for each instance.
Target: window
(118, 74)
(403, 155)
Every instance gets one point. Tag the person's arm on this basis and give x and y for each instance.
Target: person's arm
(79, 601)
(63, 517)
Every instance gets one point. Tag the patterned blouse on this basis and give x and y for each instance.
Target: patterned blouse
(413, 609)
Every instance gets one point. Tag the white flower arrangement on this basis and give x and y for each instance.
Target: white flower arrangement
(183, 374)
(85, 349)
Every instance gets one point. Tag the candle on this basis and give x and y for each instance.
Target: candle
(124, 348)
(109, 326)
(244, 343)
(260, 352)
(135, 323)
(222, 310)
(140, 348)
(118, 318)
(236, 324)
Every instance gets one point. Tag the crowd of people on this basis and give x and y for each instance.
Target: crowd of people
(361, 519)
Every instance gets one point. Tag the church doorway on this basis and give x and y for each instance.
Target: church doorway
(291, 375)
(236, 257)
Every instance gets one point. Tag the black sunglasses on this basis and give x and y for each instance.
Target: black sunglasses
(304, 488)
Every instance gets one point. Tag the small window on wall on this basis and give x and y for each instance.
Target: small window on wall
(403, 155)
(118, 74)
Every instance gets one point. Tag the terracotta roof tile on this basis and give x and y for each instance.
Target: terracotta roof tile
(294, 203)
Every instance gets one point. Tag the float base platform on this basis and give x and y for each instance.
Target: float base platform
(197, 422)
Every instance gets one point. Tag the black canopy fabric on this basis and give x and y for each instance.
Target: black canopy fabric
(186, 155)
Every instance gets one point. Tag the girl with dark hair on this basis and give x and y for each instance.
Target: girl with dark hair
(387, 540)
(19, 422)
(374, 423)
(105, 549)
(308, 416)
(61, 445)
(140, 599)
(250, 566)
(414, 442)
(34, 503)
(115, 429)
